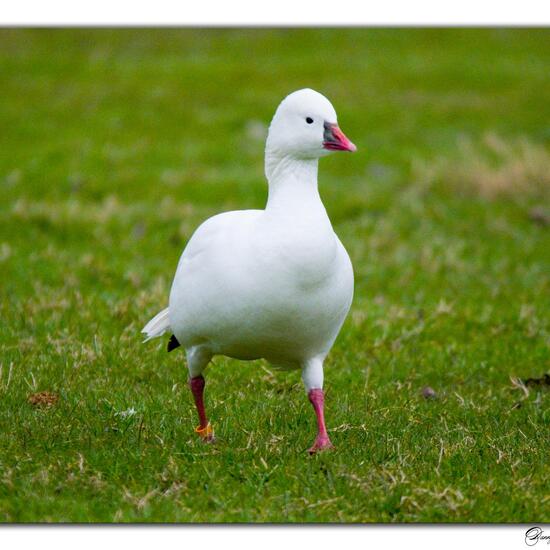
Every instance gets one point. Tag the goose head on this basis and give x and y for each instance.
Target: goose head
(305, 126)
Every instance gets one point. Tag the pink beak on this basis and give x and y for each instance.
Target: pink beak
(336, 140)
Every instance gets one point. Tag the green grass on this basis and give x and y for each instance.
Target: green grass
(116, 144)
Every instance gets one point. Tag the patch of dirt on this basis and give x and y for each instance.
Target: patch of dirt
(540, 215)
(544, 380)
(43, 399)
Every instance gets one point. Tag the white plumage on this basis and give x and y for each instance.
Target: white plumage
(158, 325)
(274, 283)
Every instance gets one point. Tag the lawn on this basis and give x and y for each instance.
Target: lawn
(116, 144)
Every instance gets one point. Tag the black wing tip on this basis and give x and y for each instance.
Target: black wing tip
(173, 343)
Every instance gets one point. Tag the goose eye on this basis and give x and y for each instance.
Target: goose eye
(309, 120)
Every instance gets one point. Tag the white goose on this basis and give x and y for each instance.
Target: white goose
(274, 283)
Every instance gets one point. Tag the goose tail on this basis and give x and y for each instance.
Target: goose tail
(158, 325)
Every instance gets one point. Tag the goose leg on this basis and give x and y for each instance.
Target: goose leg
(312, 375)
(197, 360)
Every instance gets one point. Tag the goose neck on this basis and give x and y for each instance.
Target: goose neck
(292, 182)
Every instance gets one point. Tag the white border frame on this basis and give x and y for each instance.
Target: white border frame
(275, 13)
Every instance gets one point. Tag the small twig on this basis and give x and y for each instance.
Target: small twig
(441, 450)
(518, 383)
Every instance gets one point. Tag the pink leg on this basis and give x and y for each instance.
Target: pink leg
(197, 388)
(322, 441)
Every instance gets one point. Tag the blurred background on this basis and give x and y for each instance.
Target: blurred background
(116, 143)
